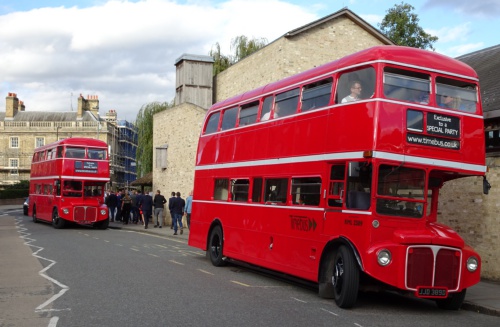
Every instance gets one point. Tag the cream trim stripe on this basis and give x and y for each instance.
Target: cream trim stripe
(344, 156)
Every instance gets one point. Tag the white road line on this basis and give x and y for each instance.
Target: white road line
(206, 272)
(53, 321)
(176, 262)
(333, 313)
(41, 308)
(298, 300)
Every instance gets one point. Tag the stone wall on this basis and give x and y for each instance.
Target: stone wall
(178, 127)
(290, 55)
(475, 216)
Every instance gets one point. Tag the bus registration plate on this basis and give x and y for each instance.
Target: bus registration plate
(431, 292)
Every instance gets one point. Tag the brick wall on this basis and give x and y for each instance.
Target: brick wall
(475, 216)
(180, 128)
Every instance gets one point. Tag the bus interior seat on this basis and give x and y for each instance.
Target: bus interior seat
(358, 200)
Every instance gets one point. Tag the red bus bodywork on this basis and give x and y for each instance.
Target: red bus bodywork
(67, 183)
(406, 149)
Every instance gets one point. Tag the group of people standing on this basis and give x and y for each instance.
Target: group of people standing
(143, 207)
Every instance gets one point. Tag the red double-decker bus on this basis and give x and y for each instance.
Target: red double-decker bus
(67, 183)
(333, 175)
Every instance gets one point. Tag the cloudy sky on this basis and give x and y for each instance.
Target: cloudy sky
(124, 51)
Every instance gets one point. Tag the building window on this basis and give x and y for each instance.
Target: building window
(14, 166)
(14, 142)
(161, 156)
(39, 141)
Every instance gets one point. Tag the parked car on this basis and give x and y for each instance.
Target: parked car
(25, 206)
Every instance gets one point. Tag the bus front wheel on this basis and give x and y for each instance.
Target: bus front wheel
(452, 302)
(215, 247)
(57, 221)
(345, 278)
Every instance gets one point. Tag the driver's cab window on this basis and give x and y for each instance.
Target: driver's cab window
(356, 85)
(359, 181)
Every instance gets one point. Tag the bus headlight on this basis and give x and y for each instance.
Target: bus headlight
(65, 211)
(103, 212)
(472, 264)
(384, 257)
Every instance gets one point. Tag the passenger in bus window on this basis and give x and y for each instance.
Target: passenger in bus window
(275, 112)
(449, 101)
(355, 92)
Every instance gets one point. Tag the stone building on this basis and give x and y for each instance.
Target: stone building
(463, 206)
(176, 130)
(22, 131)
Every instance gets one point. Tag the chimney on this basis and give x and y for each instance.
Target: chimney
(93, 105)
(11, 106)
(22, 107)
(82, 103)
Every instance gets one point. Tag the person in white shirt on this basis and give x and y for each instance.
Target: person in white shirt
(267, 115)
(355, 92)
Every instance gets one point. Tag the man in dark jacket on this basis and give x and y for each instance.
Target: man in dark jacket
(170, 201)
(159, 202)
(146, 207)
(176, 207)
(112, 202)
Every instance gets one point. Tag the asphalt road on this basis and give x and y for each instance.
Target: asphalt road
(125, 278)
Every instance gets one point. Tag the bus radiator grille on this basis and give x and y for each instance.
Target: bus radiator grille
(436, 266)
(85, 213)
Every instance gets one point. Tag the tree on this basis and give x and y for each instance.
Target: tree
(221, 62)
(242, 47)
(144, 124)
(400, 24)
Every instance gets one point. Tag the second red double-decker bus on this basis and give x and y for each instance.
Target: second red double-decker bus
(67, 183)
(333, 175)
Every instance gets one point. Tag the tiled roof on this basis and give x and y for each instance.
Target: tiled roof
(486, 63)
(48, 116)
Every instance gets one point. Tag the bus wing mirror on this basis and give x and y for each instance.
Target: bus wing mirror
(486, 185)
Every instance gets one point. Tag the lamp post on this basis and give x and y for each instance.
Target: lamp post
(57, 133)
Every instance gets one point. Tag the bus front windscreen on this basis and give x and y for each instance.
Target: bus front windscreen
(400, 191)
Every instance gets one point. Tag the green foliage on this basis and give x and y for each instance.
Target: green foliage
(221, 62)
(242, 47)
(18, 190)
(144, 123)
(400, 24)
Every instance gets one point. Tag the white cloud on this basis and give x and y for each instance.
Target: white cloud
(124, 51)
(451, 34)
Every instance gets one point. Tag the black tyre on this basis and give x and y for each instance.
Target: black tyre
(57, 221)
(35, 220)
(215, 247)
(345, 278)
(452, 302)
(103, 224)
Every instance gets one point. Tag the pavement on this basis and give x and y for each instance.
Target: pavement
(483, 297)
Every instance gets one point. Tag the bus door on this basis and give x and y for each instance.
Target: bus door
(348, 199)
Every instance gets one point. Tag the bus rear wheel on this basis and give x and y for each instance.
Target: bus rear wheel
(215, 247)
(452, 302)
(35, 220)
(345, 278)
(57, 221)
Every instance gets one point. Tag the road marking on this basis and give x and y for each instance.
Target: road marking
(53, 321)
(206, 272)
(133, 249)
(41, 308)
(246, 285)
(358, 325)
(179, 263)
(333, 313)
(298, 300)
(153, 255)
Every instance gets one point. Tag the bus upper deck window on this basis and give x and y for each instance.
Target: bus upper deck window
(456, 94)
(356, 85)
(316, 95)
(78, 153)
(406, 85)
(229, 118)
(286, 103)
(213, 123)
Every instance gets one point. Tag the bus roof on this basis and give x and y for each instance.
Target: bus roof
(74, 141)
(388, 53)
